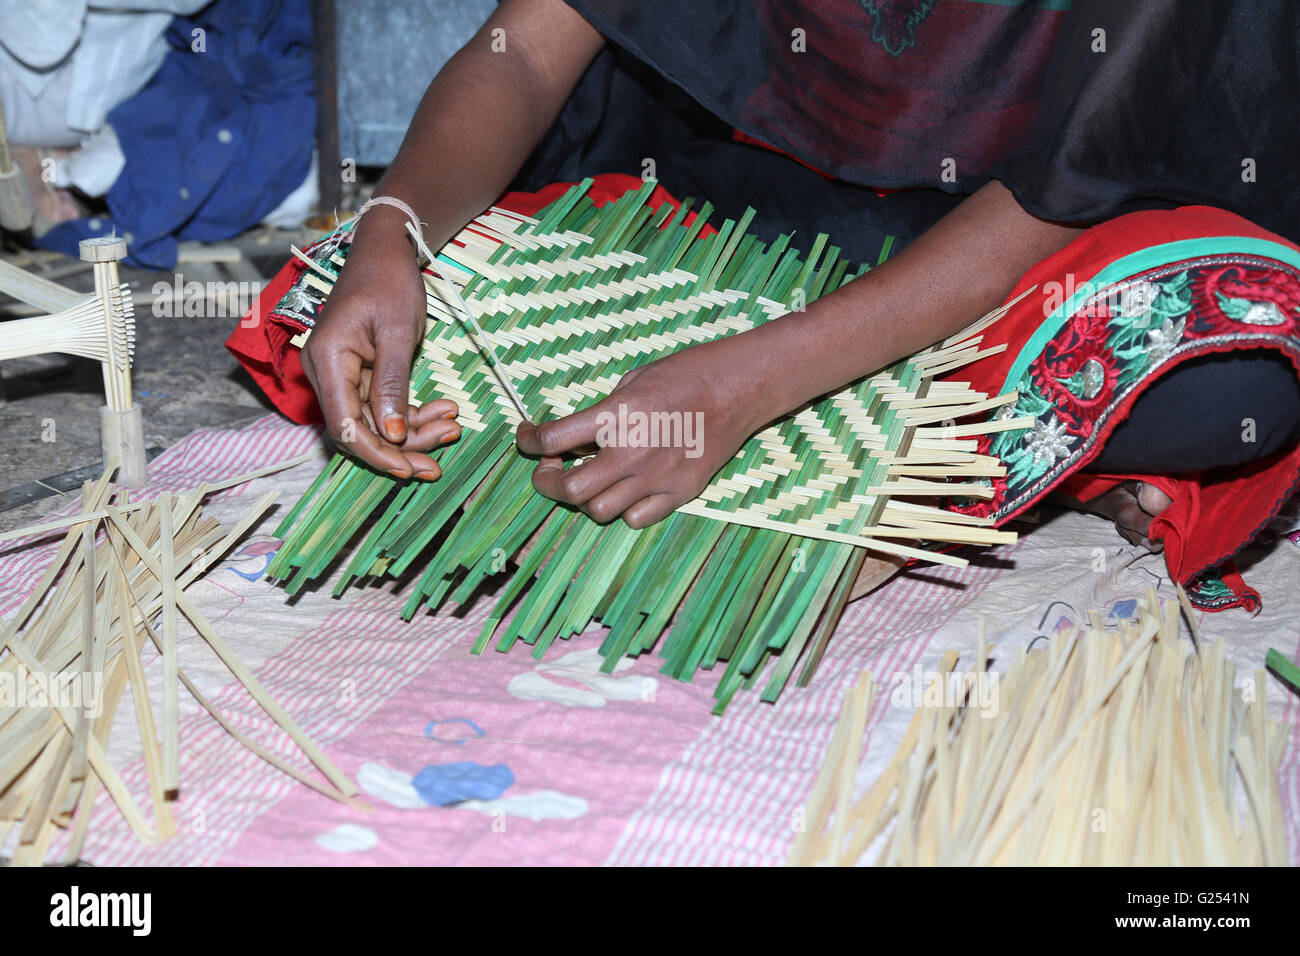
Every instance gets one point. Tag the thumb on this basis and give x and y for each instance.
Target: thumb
(390, 383)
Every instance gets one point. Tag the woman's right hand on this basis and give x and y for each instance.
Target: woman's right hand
(358, 357)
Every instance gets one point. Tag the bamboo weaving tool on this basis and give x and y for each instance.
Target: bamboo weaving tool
(116, 585)
(1112, 748)
(98, 326)
(760, 565)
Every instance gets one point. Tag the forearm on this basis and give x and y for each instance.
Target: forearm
(480, 118)
(957, 271)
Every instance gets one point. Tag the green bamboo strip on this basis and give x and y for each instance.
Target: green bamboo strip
(580, 298)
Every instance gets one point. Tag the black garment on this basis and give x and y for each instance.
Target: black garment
(1215, 411)
(1138, 127)
(1085, 109)
(623, 113)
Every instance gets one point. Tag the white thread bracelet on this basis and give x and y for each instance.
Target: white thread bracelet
(389, 201)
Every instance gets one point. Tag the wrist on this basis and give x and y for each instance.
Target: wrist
(780, 369)
(744, 380)
(383, 224)
(380, 238)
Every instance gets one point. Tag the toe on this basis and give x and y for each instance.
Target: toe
(1151, 499)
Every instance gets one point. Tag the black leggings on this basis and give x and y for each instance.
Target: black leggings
(1215, 411)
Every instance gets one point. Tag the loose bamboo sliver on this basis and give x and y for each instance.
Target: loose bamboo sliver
(62, 524)
(82, 732)
(91, 614)
(171, 684)
(238, 668)
(140, 697)
(1133, 723)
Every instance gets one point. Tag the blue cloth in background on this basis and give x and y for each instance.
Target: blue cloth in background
(217, 139)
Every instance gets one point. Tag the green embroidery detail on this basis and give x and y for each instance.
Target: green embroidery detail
(1148, 324)
(1042, 447)
(895, 22)
(1017, 447)
(1233, 308)
(1210, 588)
(1151, 257)
(1086, 382)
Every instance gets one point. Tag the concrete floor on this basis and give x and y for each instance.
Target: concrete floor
(183, 378)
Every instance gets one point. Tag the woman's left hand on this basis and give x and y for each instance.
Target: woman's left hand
(658, 438)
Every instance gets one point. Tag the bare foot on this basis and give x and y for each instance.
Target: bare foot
(50, 205)
(1132, 505)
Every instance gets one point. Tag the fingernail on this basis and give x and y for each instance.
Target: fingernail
(395, 428)
(427, 475)
(447, 415)
(397, 473)
(451, 436)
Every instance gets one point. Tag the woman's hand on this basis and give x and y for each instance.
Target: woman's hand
(358, 358)
(475, 126)
(659, 437)
(957, 271)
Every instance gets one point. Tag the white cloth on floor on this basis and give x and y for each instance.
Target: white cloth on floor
(65, 63)
(95, 166)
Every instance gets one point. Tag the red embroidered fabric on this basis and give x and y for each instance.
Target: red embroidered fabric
(1210, 519)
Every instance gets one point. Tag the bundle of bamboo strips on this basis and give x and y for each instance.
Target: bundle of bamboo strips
(1104, 747)
(75, 646)
(537, 318)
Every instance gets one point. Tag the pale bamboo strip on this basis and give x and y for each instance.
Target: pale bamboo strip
(94, 600)
(981, 324)
(817, 808)
(238, 668)
(754, 521)
(140, 696)
(960, 411)
(97, 757)
(1127, 723)
(81, 734)
(95, 494)
(861, 700)
(468, 317)
(248, 742)
(97, 514)
(54, 775)
(171, 685)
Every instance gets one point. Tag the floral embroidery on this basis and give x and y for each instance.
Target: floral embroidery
(301, 304)
(1263, 313)
(1088, 381)
(1136, 300)
(1211, 591)
(1254, 295)
(1048, 441)
(1147, 333)
(1114, 340)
